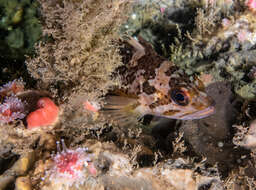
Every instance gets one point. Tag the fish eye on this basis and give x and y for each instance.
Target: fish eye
(179, 97)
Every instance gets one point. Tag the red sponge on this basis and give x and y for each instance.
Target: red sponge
(47, 114)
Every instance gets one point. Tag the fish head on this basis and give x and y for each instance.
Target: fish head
(185, 101)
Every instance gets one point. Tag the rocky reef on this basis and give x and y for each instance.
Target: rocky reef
(52, 140)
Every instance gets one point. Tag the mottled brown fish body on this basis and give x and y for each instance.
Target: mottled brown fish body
(156, 86)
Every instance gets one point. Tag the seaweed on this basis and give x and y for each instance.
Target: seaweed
(20, 29)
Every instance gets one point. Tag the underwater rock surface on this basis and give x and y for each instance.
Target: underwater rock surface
(213, 40)
(114, 171)
(211, 137)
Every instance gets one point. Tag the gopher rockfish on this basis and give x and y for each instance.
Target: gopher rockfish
(154, 86)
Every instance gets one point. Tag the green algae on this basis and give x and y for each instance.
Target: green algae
(20, 28)
(247, 91)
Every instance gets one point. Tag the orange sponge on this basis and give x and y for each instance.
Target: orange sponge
(47, 114)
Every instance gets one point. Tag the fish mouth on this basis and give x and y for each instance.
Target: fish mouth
(200, 114)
